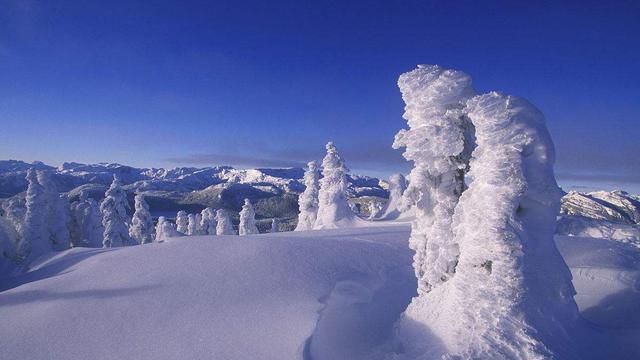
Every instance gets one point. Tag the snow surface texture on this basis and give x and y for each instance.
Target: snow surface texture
(491, 282)
(308, 200)
(321, 295)
(333, 209)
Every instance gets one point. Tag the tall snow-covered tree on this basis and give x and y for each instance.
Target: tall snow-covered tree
(394, 207)
(58, 211)
(510, 295)
(192, 225)
(208, 222)
(308, 200)
(182, 222)
(8, 240)
(275, 225)
(141, 229)
(247, 219)
(114, 216)
(435, 143)
(199, 229)
(14, 211)
(223, 226)
(333, 208)
(87, 222)
(34, 240)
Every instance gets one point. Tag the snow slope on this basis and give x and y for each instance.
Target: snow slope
(331, 294)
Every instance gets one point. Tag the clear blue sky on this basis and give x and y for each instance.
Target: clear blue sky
(267, 83)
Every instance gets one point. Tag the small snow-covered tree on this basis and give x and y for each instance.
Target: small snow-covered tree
(374, 209)
(114, 216)
(247, 219)
(87, 222)
(208, 222)
(14, 211)
(308, 200)
(182, 222)
(333, 208)
(141, 229)
(394, 207)
(192, 225)
(435, 143)
(275, 225)
(223, 226)
(165, 229)
(58, 211)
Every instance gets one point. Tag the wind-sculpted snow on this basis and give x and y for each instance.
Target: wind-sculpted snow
(476, 249)
(504, 226)
(434, 142)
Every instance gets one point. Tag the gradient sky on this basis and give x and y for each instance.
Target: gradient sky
(268, 83)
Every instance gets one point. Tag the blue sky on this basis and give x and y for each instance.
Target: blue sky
(267, 83)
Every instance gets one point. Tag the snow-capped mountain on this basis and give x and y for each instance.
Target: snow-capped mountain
(601, 214)
(273, 191)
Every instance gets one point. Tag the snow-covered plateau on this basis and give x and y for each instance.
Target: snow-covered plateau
(325, 294)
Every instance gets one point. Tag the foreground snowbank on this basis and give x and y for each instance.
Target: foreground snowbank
(332, 294)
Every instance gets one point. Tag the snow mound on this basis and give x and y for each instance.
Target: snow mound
(320, 295)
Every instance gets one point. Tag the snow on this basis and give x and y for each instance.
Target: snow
(329, 294)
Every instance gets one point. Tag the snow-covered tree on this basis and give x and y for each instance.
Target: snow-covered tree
(374, 209)
(141, 229)
(247, 219)
(308, 200)
(509, 294)
(34, 239)
(14, 211)
(333, 208)
(192, 225)
(394, 207)
(165, 229)
(208, 222)
(114, 216)
(182, 222)
(199, 229)
(8, 240)
(223, 223)
(58, 211)
(275, 225)
(434, 142)
(87, 229)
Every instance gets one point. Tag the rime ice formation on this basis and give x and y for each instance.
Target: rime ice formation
(58, 216)
(394, 207)
(192, 225)
(114, 216)
(182, 222)
(224, 226)
(34, 239)
(509, 292)
(333, 209)
(247, 219)
(308, 200)
(86, 229)
(435, 142)
(141, 229)
(165, 229)
(208, 221)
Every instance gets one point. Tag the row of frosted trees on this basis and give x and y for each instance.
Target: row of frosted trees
(50, 223)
